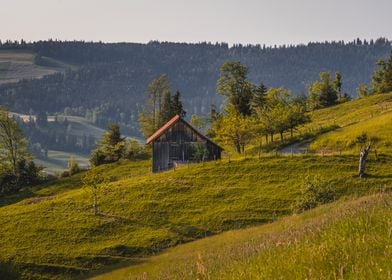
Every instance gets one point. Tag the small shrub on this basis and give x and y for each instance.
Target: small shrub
(363, 138)
(133, 150)
(200, 152)
(73, 166)
(314, 192)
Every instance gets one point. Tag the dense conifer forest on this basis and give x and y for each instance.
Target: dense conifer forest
(108, 80)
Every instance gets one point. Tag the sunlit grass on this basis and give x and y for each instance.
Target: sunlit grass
(345, 240)
(377, 129)
(54, 231)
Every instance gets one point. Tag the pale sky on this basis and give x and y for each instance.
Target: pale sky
(233, 21)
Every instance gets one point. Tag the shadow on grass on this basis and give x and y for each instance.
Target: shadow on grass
(15, 198)
(107, 269)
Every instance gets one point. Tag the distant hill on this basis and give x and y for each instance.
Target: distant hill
(18, 65)
(108, 81)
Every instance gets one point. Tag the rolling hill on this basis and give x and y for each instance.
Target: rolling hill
(340, 240)
(16, 65)
(50, 232)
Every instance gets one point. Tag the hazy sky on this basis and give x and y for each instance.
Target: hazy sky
(232, 21)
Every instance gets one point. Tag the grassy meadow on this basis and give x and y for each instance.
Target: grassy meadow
(371, 115)
(51, 232)
(243, 209)
(343, 240)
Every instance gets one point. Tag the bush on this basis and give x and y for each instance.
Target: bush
(133, 150)
(27, 174)
(73, 166)
(314, 192)
(97, 158)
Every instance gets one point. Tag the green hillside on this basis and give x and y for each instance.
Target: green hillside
(50, 232)
(371, 115)
(54, 231)
(334, 130)
(337, 241)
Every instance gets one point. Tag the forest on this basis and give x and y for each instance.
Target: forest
(107, 82)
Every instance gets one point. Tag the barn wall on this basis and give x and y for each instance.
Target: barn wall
(176, 144)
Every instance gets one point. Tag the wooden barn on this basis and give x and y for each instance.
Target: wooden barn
(178, 142)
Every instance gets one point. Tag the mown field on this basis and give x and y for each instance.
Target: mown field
(18, 65)
(51, 232)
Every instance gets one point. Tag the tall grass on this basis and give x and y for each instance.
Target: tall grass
(344, 240)
(54, 233)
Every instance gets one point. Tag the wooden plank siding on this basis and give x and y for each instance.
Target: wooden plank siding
(176, 144)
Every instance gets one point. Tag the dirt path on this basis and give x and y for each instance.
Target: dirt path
(296, 148)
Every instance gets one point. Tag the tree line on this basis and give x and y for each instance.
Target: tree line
(106, 82)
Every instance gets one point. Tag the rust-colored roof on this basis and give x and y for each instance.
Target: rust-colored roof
(160, 131)
(169, 124)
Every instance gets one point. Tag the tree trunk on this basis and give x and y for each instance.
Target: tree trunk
(291, 132)
(266, 138)
(95, 204)
(362, 160)
(281, 136)
(238, 147)
(272, 137)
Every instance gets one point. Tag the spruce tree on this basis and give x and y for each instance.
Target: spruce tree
(110, 148)
(177, 107)
(258, 98)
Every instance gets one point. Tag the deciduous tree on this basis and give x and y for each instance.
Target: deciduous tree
(233, 84)
(382, 77)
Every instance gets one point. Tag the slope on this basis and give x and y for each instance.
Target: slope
(371, 115)
(52, 233)
(344, 240)
(16, 65)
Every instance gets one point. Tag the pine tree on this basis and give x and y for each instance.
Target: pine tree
(110, 148)
(177, 107)
(258, 98)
